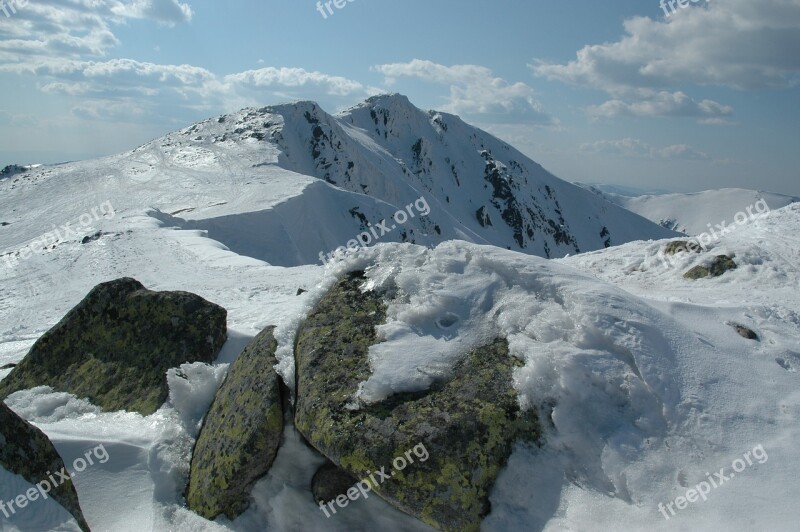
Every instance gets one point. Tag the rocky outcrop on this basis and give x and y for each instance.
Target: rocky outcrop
(27, 452)
(116, 345)
(329, 482)
(240, 435)
(719, 265)
(682, 246)
(745, 332)
(452, 440)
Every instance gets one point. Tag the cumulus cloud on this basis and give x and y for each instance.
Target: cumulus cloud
(65, 43)
(662, 103)
(635, 148)
(473, 89)
(107, 88)
(168, 12)
(736, 43)
(296, 77)
(79, 28)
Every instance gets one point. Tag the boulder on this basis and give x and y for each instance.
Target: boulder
(115, 347)
(442, 448)
(718, 266)
(240, 435)
(27, 452)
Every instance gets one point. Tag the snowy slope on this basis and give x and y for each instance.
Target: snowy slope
(692, 213)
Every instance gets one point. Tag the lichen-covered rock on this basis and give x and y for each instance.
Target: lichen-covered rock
(329, 482)
(27, 452)
(718, 266)
(240, 435)
(466, 425)
(116, 346)
(681, 246)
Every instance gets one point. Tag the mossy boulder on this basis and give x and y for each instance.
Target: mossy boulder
(240, 435)
(682, 246)
(27, 452)
(461, 431)
(115, 347)
(719, 265)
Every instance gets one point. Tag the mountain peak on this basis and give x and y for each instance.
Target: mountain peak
(390, 104)
(389, 100)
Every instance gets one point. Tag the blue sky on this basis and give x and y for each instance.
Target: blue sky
(602, 92)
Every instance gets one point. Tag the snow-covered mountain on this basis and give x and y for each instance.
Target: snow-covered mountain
(692, 213)
(389, 149)
(319, 181)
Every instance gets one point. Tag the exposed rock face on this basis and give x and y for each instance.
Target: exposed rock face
(466, 425)
(745, 332)
(681, 246)
(26, 451)
(116, 345)
(240, 435)
(720, 265)
(329, 482)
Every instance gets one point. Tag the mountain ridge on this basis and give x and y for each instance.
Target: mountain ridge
(373, 159)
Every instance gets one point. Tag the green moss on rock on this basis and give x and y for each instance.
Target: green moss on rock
(241, 433)
(718, 266)
(27, 452)
(468, 424)
(116, 345)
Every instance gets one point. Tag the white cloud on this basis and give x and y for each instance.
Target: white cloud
(635, 148)
(168, 12)
(661, 104)
(79, 28)
(473, 89)
(294, 78)
(102, 85)
(739, 44)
